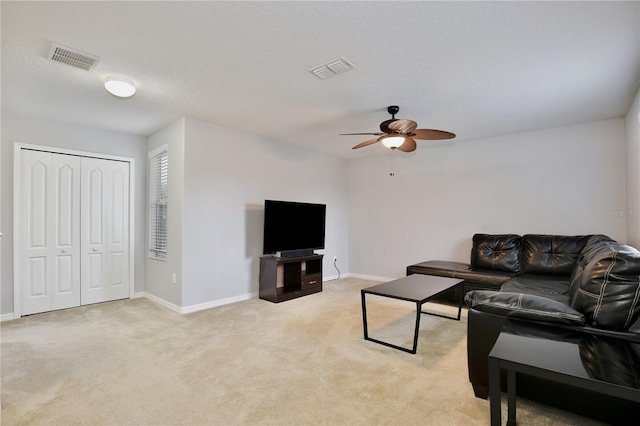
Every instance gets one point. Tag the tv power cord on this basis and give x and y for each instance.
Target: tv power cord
(335, 266)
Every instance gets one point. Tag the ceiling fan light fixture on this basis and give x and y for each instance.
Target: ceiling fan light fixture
(401, 134)
(392, 141)
(120, 87)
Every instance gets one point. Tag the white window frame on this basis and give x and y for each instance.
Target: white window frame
(158, 202)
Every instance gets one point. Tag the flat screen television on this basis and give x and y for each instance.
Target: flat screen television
(293, 229)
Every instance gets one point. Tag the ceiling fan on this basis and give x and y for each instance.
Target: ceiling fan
(401, 134)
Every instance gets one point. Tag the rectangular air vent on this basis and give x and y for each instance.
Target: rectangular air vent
(337, 66)
(72, 57)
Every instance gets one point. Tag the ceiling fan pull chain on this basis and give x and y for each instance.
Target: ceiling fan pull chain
(393, 156)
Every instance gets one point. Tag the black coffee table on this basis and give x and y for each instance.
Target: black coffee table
(562, 362)
(415, 288)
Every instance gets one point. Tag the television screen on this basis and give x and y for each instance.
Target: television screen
(293, 226)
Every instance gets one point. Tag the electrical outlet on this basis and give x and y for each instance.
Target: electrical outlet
(173, 278)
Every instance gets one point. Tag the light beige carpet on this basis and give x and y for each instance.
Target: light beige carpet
(254, 362)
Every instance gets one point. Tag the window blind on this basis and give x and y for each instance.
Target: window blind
(158, 183)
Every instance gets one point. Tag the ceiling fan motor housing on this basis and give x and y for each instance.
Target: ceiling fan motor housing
(384, 126)
(393, 110)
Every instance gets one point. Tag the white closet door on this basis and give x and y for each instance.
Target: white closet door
(66, 214)
(105, 230)
(118, 231)
(50, 234)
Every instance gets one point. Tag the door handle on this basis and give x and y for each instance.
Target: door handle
(95, 249)
(64, 250)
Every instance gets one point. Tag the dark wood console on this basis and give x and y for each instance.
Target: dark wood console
(288, 278)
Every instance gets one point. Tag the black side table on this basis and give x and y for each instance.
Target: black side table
(571, 363)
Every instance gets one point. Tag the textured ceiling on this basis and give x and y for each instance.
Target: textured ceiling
(477, 69)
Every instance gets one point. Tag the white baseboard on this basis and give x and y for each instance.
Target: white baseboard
(6, 317)
(137, 295)
(220, 302)
(214, 303)
(199, 307)
(361, 276)
(369, 277)
(172, 307)
(331, 278)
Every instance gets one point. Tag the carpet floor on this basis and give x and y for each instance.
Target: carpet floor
(298, 362)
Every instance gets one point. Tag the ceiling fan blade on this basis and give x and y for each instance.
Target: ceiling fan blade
(403, 126)
(365, 143)
(431, 134)
(374, 134)
(408, 145)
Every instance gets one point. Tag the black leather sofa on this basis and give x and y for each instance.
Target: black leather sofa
(567, 284)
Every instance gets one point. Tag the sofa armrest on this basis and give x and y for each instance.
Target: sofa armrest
(523, 306)
(462, 271)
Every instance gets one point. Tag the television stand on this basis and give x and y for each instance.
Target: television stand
(286, 278)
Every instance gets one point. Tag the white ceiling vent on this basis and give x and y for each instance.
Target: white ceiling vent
(337, 66)
(72, 57)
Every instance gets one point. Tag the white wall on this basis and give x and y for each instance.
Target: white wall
(563, 181)
(159, 279)
(227, 176)
(632, 131)
(36, 131)
(558, 181)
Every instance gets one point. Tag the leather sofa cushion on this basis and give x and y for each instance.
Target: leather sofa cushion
(605, 286)
(523, 306)
(551, 254)
(496, 252)
(544, 286)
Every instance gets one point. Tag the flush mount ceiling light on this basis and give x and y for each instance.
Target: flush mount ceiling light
(120, 87)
